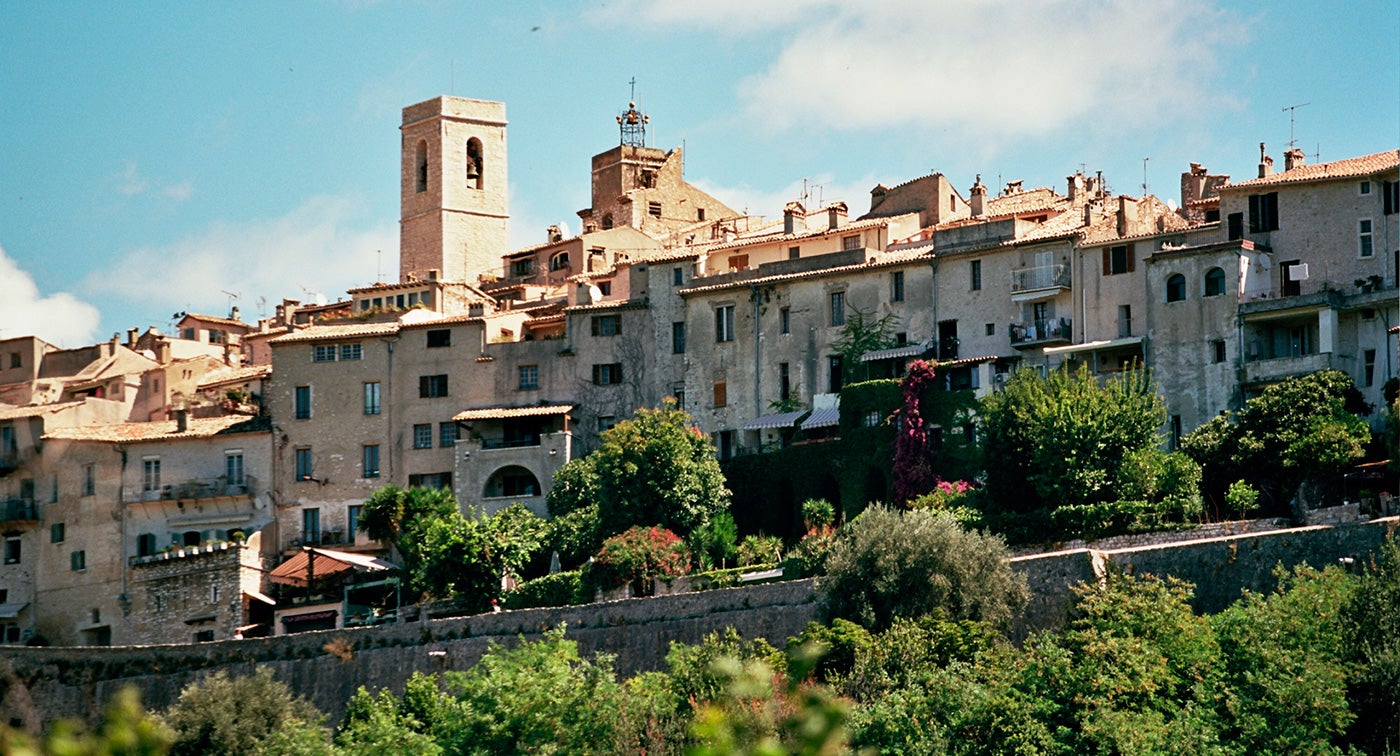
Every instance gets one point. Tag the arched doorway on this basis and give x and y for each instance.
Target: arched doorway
(511, 480)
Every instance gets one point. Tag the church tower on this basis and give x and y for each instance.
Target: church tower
(453, 209)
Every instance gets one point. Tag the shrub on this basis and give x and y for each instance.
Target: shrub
(760, 549)
(716, 543)
(1241, 498)
(575, 535)
(639, 555)
(811, 552)
(559, 589)
(817, 513)
(223, 714)
(886, 565)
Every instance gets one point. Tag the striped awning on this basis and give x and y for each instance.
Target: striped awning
(1094, 346)
(323, 563)
(504, 413)
(893, 353)
(780, 420)
(823, 418)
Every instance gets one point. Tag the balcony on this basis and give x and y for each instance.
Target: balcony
(510, 443)
(1036, 333)
(1278, 368)
(206, 488)
(17, 511)
(1043, 280)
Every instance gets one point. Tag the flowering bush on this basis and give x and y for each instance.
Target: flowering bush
(913, 472)
(954, 497)
(638, 556)
(810, 553)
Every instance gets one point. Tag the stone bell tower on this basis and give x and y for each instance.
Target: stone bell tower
(453, 210)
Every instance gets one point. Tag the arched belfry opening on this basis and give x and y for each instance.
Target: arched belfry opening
(476, 165)
(420, 165)
(633, 125)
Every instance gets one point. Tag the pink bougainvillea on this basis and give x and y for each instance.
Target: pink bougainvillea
(913, 471)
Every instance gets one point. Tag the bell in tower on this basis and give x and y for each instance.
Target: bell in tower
(633, 125)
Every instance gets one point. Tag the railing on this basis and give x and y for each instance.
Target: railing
(1043, 277)
(1036, 331)
(18, 510)
(514, 443)
(206, 488)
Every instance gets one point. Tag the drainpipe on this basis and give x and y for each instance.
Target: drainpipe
(757, 355)
(933, 300)
(386, 400)
(121, 514)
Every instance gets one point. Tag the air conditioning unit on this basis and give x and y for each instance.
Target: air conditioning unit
(999, 378)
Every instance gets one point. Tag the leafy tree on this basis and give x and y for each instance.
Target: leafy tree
(913, 470)
(863, 332)
(576, 535)
(464, 556)
(392, 514)
(640, 555)
(657, 469)
(575, 487)
(886, 565)
(223, 714)
(375, 723)
(716, 543)
(762, 712)
(1372, 627)
(1059, 440)
(1299, 429)
(126, 730)
(760, 549)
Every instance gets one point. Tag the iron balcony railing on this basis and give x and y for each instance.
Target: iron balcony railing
(15, 509)
(1042, 277)
(1035, 331)
(205, 488)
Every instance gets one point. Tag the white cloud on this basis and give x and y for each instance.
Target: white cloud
(326, 245)
(60, 318)
(131, 183)
(993, 68)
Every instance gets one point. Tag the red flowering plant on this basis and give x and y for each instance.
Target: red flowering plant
(638, 556)
(956, 497)
(913, 471)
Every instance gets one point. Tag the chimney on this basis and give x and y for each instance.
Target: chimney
(1127, 215)
(1266, 163)
(1293, 158)
(182, 419)
(794, 218)
(978, 198)
(234, 313)
(130, 338)
(554, 234)
(1193, 184)
(1075, 189)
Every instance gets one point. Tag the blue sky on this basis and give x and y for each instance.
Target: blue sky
(155, 156)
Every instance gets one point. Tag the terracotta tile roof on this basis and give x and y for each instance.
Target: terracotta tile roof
(332, 332)
(967, 361)
(8, 412)
(771, 234)
(1030, 200)
(235, 375)
(164, 430)
(501, 413)
(1365, 165)
(626, 304)
(216, 319)
(884, 261)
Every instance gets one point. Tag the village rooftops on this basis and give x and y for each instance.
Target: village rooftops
(234, 375)
(336, 332)
(35, 410)
(165, 430)
(1366, 165)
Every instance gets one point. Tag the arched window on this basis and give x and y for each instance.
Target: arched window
(421, 165)
(1176, 287)
(476, 166)
(1215, 282)
(559, 261)
(512, 480)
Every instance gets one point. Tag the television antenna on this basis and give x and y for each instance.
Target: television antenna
(231, 297)
(1291, 109)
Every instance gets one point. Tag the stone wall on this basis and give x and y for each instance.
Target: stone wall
(40, 684)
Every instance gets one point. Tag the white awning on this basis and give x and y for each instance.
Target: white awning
(10, 611)
(893, 353)
(780, 420)
(1095, 346)
(822, 418)
(250, 593)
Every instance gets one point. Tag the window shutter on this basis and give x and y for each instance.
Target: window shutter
(1255, 222)
(1130, 258)
(1107, 261)
(721, 394)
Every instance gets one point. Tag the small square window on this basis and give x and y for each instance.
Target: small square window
(607, 325)
(605, 422)
(654, 209)
(607, 375)
(350, 351)
(991, 329)
(432, 386)
(323, 353)
(439, 338)
(794, 253)
(423, 436)
(677, 276)
(529, 377)
(56, 534)
(78, 560)
(1365, 188)
(447, 434)
(850, 242)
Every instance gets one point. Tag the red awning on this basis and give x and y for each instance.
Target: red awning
(323, 563)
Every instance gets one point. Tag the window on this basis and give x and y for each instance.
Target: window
(850, 242)
(145, 544)
(1263, 212)
(1365, 188)
(1368, 367)
(303, 463)
(523, 267)
(421, 166)
(1363, 230)
(1118, 259)
(794, 253)
(1215, 282)
(1390, 204)
(56, 534)
(739, 262)
(976, 275)
(559, 261)
(607, 375)
(430, 480)
(784, 382)
(991, 329)
(678, 391)
(785, 320)
(1125, 321)
(352, 521)
(721, 394)
(529, 377)
(605, 422)
(12, 550)
(351, 351)
(217, 336)
(369, 461)
(897, 286)
(372, 398)
(678, 337)
(301, 403)
(16, 359)
(441, 337)
(1234, 223)
(323, 353)
(432, 386)
(423, 436)
(1217, 351)
(724, 323)
(447, 433)
(310, 525)
(838, 308)
(677, 276)
(77, 560)
(1176, 287)
(699, 213)
(834, 367)
(654, 209)
(605, 288)
(89, 480)
(150, 474)
(724, 444)
(233, 468)
(607, 325)
(1176, 432)
(475, 165)
(873, 418)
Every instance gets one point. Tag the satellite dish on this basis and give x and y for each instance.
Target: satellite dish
(595, 294)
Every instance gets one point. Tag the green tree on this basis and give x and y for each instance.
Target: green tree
(379, 723)
(885, 564)
(464, 556)
(223, 714)
(862, 332)
(1059, 440)
(1300, 429)
(127, 729)
(574, 487)
(657, 469)
(392, 514)
(1372, 626)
